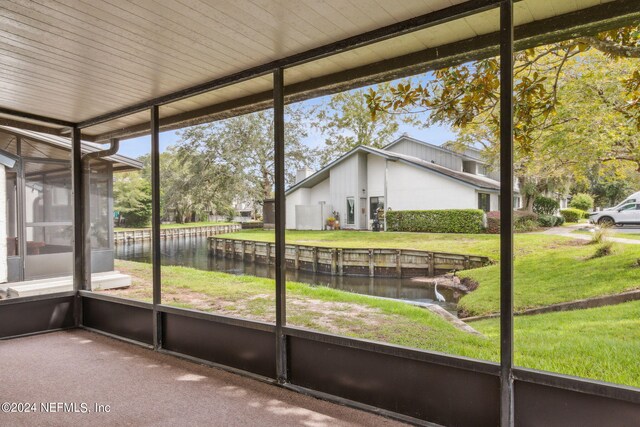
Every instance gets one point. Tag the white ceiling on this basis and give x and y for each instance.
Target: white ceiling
(74, 60)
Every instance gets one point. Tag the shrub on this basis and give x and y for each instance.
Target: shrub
(559, 220)
(523, 221)
(547, 220)
(572, 215)
(581, 201)
(437, 221)
(600, 234)
(545, 205)
(493, 222)
(604, 249)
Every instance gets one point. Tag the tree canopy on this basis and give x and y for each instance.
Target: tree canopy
(345, 122)
(575, 107)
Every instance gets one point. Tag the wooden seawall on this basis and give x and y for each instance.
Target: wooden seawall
(132, 236)
(348, 262)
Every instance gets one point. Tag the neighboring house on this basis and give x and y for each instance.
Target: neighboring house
(407, 174)
(36, 212)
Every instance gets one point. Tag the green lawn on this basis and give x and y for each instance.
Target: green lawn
(186, 225)
(468, 244)
(319, 308)
(601, 343)
(547, 276)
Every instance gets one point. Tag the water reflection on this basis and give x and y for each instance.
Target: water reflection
(193, 252)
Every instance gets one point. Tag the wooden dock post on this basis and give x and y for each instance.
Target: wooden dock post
(340, 262)
(334, 261)
(296, 259)
(267, 249)
(242, 247)
(253, 252)
(372, 267)
(314, 259)
(432, 264)
(399, 263)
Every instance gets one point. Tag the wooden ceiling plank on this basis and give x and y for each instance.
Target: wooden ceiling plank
(111, 34)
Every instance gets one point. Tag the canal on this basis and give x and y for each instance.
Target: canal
(193, 252)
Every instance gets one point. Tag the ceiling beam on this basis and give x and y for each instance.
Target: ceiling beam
(21, 124)
(420, 22)
(585, 22)
(30, 116)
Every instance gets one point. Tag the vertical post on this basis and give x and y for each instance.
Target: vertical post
(86, 224)
(386, 200)
(78, 221)
(155, 225)
(506, 213)
(281, 314)
(20, 198)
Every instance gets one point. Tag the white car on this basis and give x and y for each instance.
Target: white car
(628, 214)
(635, 197)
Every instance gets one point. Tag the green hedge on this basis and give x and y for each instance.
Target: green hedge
(573, 215)
(437, 221)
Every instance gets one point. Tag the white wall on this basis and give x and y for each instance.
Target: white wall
(297, 197)
(375, 179)
(307, 196)
(320, 193)
(344, 183)
(494, 202)
(410, 188)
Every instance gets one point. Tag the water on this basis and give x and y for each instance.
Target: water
(194, 252)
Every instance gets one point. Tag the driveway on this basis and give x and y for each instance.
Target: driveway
(567, 232)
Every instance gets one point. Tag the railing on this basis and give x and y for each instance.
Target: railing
(132, 236)
(346, 261)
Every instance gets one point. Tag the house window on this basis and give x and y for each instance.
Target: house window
(374, 204)
(484, 202)
(351, 211)
(516, 202)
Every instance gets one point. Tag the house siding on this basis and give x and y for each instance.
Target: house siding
(409, 188)
(429, 154)
(344, 183)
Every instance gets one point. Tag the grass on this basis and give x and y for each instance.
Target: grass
(600, 343)
(548, 276)
(319, 308)
(468, 244)
(185, 225)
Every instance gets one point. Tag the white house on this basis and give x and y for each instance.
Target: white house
(407, 174)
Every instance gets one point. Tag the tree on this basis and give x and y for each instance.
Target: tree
(581, 201)
(237, 155)
(132, 198)
(195, 181)
(467, 97)
(345, 122)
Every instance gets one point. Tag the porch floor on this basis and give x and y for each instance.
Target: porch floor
(143, 388)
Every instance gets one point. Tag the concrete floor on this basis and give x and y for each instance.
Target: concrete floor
(144, 388)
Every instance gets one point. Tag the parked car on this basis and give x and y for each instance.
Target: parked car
(635, 197)
(628, 214)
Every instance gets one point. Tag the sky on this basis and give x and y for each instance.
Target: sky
(437, 135)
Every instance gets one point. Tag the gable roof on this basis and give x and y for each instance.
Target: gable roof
(464, 156)
(120, 162)
(476, 181)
